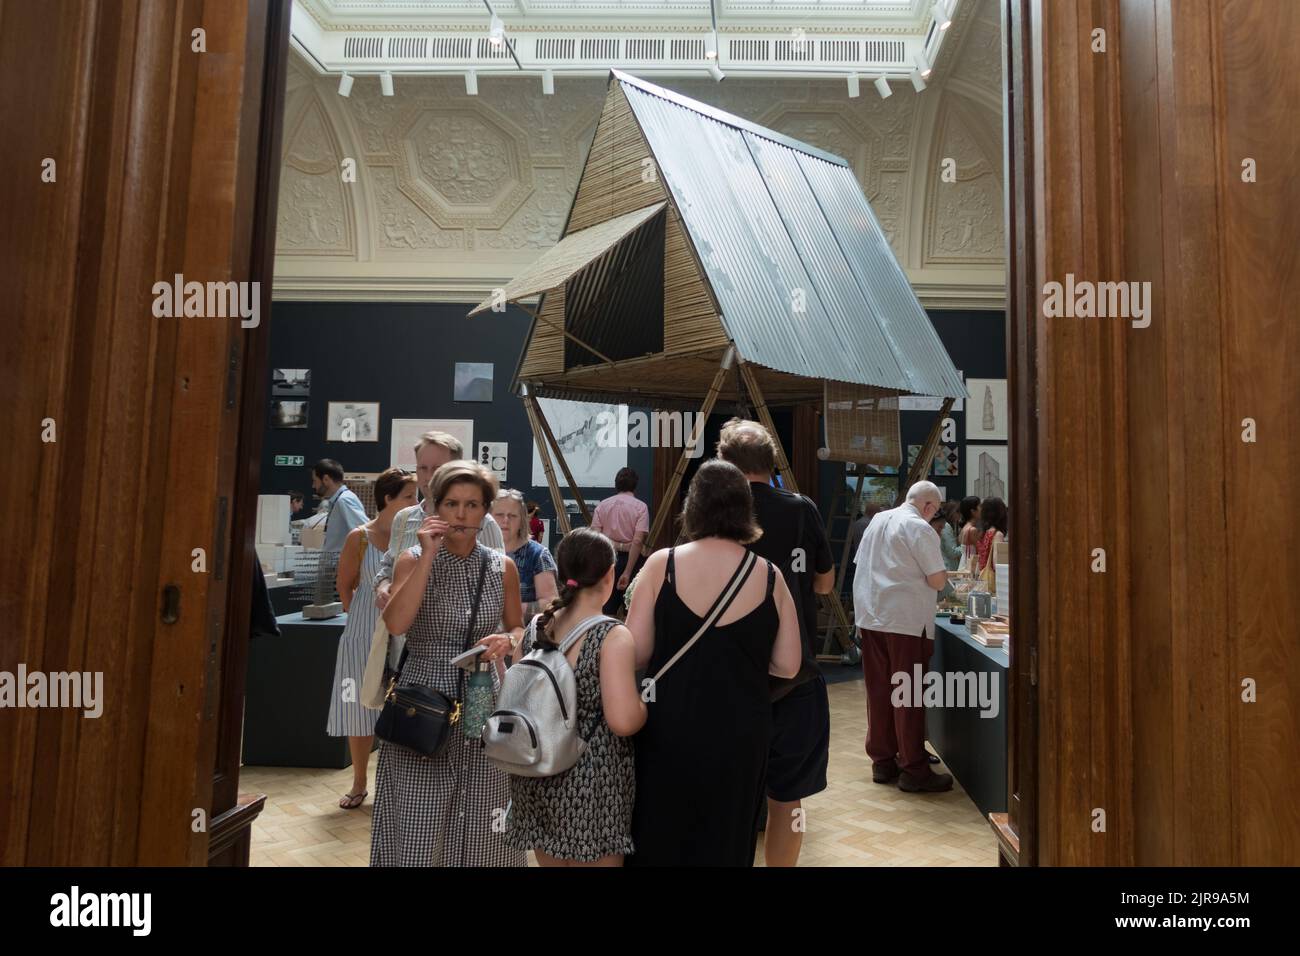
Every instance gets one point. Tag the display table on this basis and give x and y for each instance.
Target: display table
(973, 747)
(283, 597)
(287, 703)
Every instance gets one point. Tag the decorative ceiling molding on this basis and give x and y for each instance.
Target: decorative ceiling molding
(457, 193)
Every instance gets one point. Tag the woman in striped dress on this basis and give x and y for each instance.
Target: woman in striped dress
(448, 810)
(362, 553)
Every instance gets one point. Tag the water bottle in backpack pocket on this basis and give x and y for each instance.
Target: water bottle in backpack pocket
(534, 730)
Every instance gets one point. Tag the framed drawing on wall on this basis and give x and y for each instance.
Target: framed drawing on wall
(986, 413)
(287, 414)
(988, 473)
(352, 421)
(407, 431)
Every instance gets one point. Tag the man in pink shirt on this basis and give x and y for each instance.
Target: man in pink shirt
(625, 520)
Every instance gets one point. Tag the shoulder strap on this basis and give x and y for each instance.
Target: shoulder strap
(719, 608)
(582, 628)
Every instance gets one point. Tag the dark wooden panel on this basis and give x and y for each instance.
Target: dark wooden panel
(1256, 87)
(152, 145)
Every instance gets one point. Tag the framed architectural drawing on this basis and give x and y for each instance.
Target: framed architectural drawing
(352, 421)
(576, 426)
(407, 431)
(988, 473)
(986, 412)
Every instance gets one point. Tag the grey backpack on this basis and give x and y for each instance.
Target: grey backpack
(534, 730)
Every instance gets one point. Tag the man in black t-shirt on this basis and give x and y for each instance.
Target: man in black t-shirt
(795, 541)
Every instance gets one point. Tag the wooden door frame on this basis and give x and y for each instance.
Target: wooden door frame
(1019, 846)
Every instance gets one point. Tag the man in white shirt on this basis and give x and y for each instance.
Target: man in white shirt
(433, 450)
(899, 571)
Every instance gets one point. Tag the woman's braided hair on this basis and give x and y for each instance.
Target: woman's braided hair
(583, 558)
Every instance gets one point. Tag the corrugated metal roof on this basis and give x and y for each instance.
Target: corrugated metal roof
(802, 271)
(559, 263)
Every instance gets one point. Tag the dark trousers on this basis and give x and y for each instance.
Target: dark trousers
(614, 606)
(895, 730)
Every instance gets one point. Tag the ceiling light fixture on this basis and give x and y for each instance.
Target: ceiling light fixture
(854, 89)
(496, 31)
(942, 14)
(882, 87)
(716, 72)
(386, 83)
(548, 82)
(922, 64)
(345, 85)
(918, 84)
(471, 83)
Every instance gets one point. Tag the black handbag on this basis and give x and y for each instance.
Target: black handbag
(419, 718)
(779, 687)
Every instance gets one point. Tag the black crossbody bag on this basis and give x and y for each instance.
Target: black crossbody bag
(419, 718)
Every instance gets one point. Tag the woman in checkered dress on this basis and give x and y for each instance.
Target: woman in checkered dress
(448, 811)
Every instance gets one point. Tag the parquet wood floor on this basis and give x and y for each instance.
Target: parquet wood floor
(854, 822)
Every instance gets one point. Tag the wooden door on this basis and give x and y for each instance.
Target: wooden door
(133, 156)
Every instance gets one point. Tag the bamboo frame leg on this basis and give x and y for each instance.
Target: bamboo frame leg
(697, 433)
(561, 516)
(765, 419)
(559, 456)
(848, 537)
(921, 467)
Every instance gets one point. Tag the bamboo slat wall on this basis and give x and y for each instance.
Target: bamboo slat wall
(545, 349)
(612, 183)
(690, 315)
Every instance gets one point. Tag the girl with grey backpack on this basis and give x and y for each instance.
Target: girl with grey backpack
(565, 716)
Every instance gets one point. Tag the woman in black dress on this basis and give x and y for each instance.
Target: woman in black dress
(701, 757)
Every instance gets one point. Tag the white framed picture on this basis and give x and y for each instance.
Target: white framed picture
(352, 421)
(407, 431)
(986, 412)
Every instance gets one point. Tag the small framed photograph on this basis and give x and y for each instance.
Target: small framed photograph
(291, 382)
(352, 421)
(288, 414)
(473, 382)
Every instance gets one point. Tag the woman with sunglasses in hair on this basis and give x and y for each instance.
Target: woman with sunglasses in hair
(583, 816)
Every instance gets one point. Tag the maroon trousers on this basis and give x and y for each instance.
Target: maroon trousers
(894, 730)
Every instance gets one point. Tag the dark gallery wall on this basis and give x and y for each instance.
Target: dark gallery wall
(402, 355)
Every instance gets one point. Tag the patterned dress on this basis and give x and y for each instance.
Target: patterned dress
(586, 812)
(447, 811)
(348, 716)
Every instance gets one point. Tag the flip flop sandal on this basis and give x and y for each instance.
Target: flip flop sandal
(353, 800)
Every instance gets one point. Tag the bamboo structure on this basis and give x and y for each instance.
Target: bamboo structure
(561, 515)
(559, 456)
(921, 467)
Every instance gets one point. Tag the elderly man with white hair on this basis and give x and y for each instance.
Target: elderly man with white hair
(899, 571)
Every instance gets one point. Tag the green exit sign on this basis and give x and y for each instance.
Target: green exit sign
(288, 459)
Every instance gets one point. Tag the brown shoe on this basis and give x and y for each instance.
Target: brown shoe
(933, 783)
(884, 772)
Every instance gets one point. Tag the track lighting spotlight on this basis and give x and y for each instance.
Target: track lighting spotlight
(922, 65)
(345, 85)
(471, 83)
(854, 89)
(918, 84)
(882, 87)
(386, 83)
(548, 82)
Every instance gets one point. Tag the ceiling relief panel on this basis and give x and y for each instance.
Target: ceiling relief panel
(964, 219)
(315, 215)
